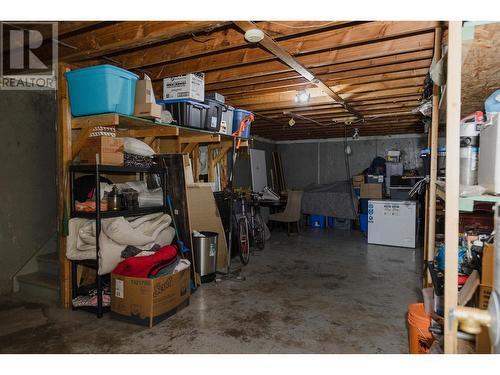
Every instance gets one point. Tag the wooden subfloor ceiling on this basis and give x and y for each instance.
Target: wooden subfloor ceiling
(375, 69)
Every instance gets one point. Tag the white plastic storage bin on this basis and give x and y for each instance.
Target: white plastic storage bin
(227, 120)
(489, 155)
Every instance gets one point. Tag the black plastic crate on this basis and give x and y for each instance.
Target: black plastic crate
(214, 115)
(187, 112)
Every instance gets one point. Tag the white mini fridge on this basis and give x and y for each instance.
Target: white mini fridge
(392, 223)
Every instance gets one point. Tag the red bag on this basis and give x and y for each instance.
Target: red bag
(149, 265)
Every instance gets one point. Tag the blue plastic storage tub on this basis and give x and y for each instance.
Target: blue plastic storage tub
(101, 89)
(317, 221)
(239, 114)
(363, 223)
(363, 205)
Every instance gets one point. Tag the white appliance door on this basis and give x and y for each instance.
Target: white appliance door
(259, 170)
(392, 223)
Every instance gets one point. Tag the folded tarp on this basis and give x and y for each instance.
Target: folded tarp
(332, 199)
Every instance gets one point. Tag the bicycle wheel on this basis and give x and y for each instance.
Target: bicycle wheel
(259, 232)
(243, 243)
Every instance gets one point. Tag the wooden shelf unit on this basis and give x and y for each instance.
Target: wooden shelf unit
(162, 137)
(466, 80)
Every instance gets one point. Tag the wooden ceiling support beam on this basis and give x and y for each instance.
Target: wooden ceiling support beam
(269, 44)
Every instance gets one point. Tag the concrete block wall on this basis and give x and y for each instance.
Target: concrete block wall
(323, 161)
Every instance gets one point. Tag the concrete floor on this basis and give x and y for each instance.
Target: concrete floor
(324, 291)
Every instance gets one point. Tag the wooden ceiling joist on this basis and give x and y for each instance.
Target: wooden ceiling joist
(242, 63)
(127, 35)
(273, 47)
(341, 70)
(372, 68)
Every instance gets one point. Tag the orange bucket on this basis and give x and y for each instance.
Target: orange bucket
(419, 337)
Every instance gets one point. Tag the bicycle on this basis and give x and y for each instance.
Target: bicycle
(241, 225)
(256, 223)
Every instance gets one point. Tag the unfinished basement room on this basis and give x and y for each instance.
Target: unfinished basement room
(272, 186)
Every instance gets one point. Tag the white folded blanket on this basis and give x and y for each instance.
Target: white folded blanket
(116, 235)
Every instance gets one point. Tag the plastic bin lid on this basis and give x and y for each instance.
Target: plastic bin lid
(425, 151)
(242, 110)
(194, 102)
(99, 67)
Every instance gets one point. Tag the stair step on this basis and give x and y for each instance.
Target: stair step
(40, 286)
(40, 279)
(48, 263)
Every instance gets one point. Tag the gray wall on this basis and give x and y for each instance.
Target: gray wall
(323, 162)
(28, 177)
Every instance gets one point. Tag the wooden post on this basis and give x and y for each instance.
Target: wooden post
(64, 160)
(453, 89)
(210, 163)
(431, 228)
(196, 163)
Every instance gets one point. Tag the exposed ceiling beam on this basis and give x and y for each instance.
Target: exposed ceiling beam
(131, 34)
(269, 44)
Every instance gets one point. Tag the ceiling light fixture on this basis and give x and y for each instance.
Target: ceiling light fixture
(291, 122)
(302, 97)
(254, 35)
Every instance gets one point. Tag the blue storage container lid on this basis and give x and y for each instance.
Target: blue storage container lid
(101, 67)
(243, 110)
(193, 102)
(425, 151)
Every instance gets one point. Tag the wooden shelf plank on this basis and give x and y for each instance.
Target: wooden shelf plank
(142, 127)
(467, 203)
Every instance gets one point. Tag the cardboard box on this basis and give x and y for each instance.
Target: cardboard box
(149, 301)
(484, 296)
(372, 191)
(110, 150)
(374, 178)
(483, 343)
(145, 102)
(187, 86)
(487, 265)
(357, 180)
(148, 110)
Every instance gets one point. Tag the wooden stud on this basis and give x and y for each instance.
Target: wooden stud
(453, 90)
(64, 160)
(434, 131)
(188, 148)
(149, 140)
